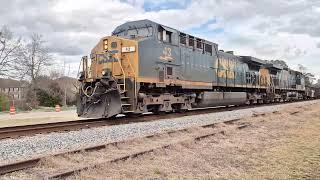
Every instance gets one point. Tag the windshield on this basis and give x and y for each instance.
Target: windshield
(139, 32)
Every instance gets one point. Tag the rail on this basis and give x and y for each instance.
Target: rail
(29, 130)
(33, 162)
(63, 173)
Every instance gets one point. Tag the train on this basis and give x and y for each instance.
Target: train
(144, 66)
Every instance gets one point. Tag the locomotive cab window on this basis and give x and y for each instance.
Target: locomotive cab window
(183, 38)
(191, 41)
(136, 32)
(164, 35)
(199, 43)
(168, 37)
(208, 49)
(114, 45)
(160, 33)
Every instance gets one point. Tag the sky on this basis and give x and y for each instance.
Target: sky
(268, 29)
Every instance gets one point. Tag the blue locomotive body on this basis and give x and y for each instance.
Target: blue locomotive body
(169, 70)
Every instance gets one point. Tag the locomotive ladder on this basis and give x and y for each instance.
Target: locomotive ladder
(126, 101)
(272, 87)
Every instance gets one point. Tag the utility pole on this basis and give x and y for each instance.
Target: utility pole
(65, 83)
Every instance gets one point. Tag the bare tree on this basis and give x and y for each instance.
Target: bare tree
(309, 77)
(279, 62)
(9, 46)
(54, 74)
(33, 59)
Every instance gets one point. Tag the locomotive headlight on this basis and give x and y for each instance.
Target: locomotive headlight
(105, 44)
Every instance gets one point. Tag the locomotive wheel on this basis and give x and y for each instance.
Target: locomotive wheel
(180, 110)
(134, 115)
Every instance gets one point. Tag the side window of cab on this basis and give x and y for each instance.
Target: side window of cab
(166, 35)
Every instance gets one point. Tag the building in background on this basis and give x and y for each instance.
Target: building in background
(69, 87)
(13, 89)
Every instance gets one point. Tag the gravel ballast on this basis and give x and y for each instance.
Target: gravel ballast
(26, 147)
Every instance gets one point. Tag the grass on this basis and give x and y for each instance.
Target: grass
(298, 156)
(42, 109)
(157, 171)
(50, 109)
(38, 116)
(274, 146)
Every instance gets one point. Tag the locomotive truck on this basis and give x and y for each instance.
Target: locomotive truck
(148, 67)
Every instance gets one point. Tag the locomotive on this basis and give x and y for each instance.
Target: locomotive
(148, 67)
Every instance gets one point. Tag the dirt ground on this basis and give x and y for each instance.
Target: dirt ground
(27, 118)
(279, 145)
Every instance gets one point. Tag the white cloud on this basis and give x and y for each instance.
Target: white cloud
(270, 29)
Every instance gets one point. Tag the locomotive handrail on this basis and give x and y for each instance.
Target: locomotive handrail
(96, 75)
(85, 66)
(135, 77)
(124, 75)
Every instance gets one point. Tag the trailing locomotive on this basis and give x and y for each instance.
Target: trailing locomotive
(148, 67)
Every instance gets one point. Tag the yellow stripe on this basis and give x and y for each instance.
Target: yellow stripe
(174, 81)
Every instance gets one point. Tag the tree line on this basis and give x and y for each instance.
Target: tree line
(28, 59)
(309, 77)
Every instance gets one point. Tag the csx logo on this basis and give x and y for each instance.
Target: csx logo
(166, 54)
(226, 68)
(106, 59)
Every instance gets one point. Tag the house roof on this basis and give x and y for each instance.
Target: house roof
(11, 83)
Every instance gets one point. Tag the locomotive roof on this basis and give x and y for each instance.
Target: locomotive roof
(275, 66)
(250, 59)
(133, 24)
(227, 54)
(149, 23)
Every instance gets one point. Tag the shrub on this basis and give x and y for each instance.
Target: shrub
(4, 102)
(45, 99)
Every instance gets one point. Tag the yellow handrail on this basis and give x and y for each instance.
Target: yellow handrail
(96, 67)
(124, 75)
(122, 70)
(135, 77)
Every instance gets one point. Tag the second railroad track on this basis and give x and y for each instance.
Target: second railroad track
(29, 130)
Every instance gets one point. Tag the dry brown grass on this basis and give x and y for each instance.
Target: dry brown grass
(53, 164)
(279, 145)
(275, 146)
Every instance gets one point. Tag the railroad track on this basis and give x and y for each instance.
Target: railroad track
(171, 138)
(29, 130)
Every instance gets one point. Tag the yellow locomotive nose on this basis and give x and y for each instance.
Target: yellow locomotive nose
(112, 71)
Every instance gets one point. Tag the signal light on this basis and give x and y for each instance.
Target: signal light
(105, 44)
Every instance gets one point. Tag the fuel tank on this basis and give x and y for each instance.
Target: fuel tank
(212, 99)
